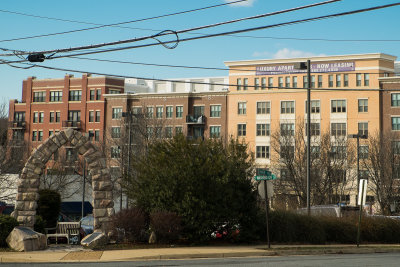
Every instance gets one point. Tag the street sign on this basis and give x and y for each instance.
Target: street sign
(265, 177)
(263, 172)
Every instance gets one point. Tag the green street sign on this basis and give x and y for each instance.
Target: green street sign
(263, 172)
(265, 177)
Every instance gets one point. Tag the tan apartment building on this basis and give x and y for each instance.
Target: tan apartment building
(267, 96)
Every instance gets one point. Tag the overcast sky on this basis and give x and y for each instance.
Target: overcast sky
(25, 18)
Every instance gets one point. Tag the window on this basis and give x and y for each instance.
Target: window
(395, 123)
(263, 107)
(178, 129)
(312, 81)
(71, 154)
(245, 83)
(114, 91)
(55, 96)
(362, 105)
(315, 129)
(58, 116)
(159, 112)
(115, 152)
(256, 83)
(339, 176)
(366, 79)
(319, 81)
(92, 93)
(315, 152)
(116, 113)
(97, 116)
(263, 129)
(287, 107)
(34, 135)
(363, 152)
(149, 131)
(339, 152)
(287, 152)
(39, 97)
(338, 129)
(338, 106)
(285, 175)
(179, 111)
(280, 82)
(51, 117)
(97, 135)
(241, 129)
(40, 135)
(287, 129)
(396, 147)
(262, 152)
(363, 174)
(338, 80)
(74, 115)
(19, 116)
(363, 128)
(169, 112)
(239, 84)
(270, 82)
(35, 117)
(215, 111)
(91, 116)
(50, 133)
(287, 81)
(294, 81)
(242, 108)
(315, 106)
(116, 132)
(305, 82)
(158, 132)
(330, 80)
(345, 80)
(41, 117)
(395, 100)
(263, 83)
(358, 79)
(91, 135)
(75, 95)
(136, 110)
(98, 94)
(168, 132)
(215, 131)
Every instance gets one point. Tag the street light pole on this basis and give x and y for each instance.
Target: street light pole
(308, 135)
(303, 66)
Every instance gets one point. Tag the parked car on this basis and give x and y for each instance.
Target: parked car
(87, 224)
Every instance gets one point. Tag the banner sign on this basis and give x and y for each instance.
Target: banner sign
(316, 68)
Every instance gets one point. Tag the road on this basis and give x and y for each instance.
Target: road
(381, 259)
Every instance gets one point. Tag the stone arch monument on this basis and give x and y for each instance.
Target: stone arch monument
(29, 181)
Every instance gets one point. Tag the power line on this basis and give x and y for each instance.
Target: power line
(195, 67)
(183, 31)
(208, 83)
(243, 30)
(108, 25)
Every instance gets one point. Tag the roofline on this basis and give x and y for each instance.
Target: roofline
(315, 58)
(139, 95)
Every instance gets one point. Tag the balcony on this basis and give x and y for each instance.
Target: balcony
(199, 120)
(21, 125)
(71, 124)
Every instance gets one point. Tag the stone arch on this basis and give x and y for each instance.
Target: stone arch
(29, 181)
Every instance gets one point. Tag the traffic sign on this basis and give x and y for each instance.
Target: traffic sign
(265, 177)
(263, 172)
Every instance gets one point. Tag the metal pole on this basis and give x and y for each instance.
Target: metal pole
(83, 189)
(267, 211)
(358, 160)
(359, 216)
(129, 153)
(308, 135)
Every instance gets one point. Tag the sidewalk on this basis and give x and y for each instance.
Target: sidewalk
(78, 254)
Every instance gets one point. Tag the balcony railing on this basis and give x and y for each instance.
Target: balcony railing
(190, 119)
(71, 124)
(17, 124)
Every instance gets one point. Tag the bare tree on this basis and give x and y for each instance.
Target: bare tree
(382, 163)
(330, 164)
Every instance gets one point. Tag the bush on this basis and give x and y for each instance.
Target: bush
(166, 225)
(7, 224)
(376, 229)
(132, 223)
(49, 206)
(339, 230)
(40, 225)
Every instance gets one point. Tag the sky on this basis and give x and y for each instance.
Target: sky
(353, 34)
